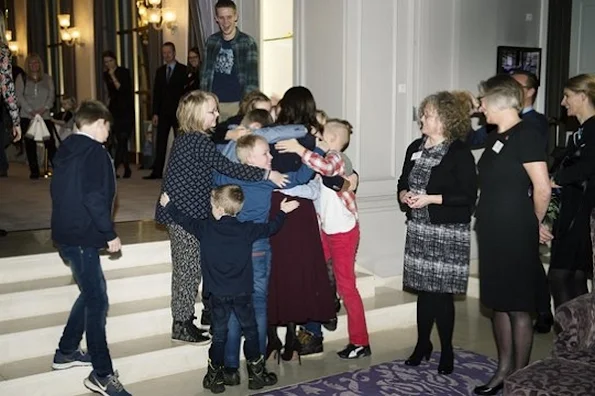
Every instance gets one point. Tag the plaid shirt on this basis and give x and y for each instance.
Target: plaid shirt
(331, 165)
(245, 54)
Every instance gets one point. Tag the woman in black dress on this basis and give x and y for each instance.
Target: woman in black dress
(121, 105)
(572, 256)
(508, 227)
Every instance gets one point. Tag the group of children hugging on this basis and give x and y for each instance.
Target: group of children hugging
(216, 203)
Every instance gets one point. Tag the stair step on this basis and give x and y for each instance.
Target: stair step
(146, 358)
(156, 319)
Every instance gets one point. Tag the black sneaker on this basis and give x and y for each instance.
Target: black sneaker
(231, 376)
(311, 344)
(186, 331)
(355, 351)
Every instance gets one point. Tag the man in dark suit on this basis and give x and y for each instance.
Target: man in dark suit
(167, 91)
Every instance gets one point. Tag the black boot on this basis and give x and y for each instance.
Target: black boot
(214, 379)
(231, 376)
(186, 331)
(544, 322)
(258, 376)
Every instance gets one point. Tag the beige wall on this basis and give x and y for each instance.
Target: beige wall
(85, 54)
(180, 36)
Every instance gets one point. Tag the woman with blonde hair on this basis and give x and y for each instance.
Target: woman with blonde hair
(437, 190)
(251, 101)
(515, 192)
(188, 182)
(36, 94)
(572, 258)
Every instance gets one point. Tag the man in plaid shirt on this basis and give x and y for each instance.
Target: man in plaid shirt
(230, 68)
(339, 227)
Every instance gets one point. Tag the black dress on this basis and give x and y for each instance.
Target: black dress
(507, 228)
(571, 247)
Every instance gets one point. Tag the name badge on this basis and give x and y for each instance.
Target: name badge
(497, 146)
(416, 156)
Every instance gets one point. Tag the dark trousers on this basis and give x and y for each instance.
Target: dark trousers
(166, 122)
(221, 308)
(123, 129)
(89, 311)
(543, 292)
(31, 145)
(4, 141)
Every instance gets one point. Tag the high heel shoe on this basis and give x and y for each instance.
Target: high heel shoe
(447, 358)
(419, 354)
(488, 390)
(292, 345)
(274, 347)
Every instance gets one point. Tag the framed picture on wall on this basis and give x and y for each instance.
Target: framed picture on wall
(511, 59)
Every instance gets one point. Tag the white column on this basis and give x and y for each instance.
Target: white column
(85, 54)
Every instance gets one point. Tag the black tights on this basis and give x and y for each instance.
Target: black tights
(438, 307)
(513, 332)
(567, 285)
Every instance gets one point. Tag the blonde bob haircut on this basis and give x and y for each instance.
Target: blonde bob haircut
(31, 58)
(502, 92)
(192, 110)
(583, 83)
(246, 144)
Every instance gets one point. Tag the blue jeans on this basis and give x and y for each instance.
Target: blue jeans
(89, 311)
(314, 328)
(261, 266)
(222, 307)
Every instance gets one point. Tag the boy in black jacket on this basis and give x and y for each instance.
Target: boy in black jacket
(226, 257)
(83, 189)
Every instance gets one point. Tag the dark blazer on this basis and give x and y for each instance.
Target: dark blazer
(455, 178)
(166, 95)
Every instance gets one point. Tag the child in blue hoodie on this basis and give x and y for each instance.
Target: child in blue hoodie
(83, 189)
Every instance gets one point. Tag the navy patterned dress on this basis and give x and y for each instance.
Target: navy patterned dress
(436, 255)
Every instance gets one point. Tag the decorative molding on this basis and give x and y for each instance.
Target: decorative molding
(394, 91)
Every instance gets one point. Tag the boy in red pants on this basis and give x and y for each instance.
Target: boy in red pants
(339, 227)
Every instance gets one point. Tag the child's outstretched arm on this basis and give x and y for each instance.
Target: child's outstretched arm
(330, 165)
(274, 134)
(259, 231)
(191, 225)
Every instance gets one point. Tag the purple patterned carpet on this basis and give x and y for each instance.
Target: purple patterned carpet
(394, 378)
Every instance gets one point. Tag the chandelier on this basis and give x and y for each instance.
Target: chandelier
(151, 13)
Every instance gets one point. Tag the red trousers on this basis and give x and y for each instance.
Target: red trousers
(341, 248)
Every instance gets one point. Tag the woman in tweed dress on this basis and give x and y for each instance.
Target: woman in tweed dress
(437, 190)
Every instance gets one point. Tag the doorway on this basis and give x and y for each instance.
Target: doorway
(276, 47)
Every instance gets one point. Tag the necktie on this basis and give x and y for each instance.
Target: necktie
(168, 73)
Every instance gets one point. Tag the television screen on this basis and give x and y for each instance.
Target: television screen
(511, 59)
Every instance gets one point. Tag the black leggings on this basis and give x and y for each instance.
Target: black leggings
(31, 145)
(439, 308)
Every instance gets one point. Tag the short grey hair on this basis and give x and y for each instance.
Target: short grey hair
(503, 92)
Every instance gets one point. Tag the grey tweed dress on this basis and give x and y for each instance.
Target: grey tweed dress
(436, 255)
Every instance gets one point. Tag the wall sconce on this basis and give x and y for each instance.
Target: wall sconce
(151, 12)
(12, 45)
(69, 35)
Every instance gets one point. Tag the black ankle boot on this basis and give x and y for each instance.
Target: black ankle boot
(186, 331)
(214, 379)
(258, 376)
(231, 376)
(420, 353)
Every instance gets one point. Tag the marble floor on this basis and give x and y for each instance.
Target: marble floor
(472, 332)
